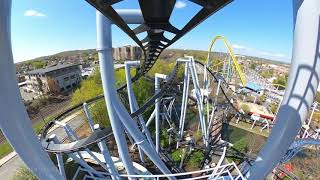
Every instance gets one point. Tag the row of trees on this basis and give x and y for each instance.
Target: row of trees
(92, 87)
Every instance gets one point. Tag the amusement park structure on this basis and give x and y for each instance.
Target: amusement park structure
(135, 136)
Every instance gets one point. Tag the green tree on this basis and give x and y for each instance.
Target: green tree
(281, 80)
(91, 88)
(164, 138)
(253, 66)
(38, 64)
(274, 107)
(176, 155)
(267, 74)
(143, 90)
(261, 99)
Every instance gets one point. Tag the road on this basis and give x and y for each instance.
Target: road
(8, 169)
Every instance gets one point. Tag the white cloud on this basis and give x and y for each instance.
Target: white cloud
(265, 53)
(180, 4)
(280, 55)
(33, 13)
(240, 49)
(237, 46)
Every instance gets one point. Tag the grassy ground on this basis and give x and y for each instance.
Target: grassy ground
(245, 141)
(5, 148)
(247, 127)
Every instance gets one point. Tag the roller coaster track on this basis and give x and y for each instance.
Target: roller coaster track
(233, 58)
(156, 15)
(98, 136)
(299, 145)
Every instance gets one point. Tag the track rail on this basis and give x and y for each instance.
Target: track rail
(99, 136)
(156, 15)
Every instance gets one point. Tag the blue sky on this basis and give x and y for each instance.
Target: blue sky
(260, 28)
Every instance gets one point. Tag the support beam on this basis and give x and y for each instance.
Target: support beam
(119, 116)
(14, 122)
(104, 48)
(157, 80)
(302, 87)
(184, 102)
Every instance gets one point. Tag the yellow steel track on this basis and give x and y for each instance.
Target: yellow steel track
(233, 58)
(279, 85)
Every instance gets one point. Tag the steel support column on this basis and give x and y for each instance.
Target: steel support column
(302, 87)
(184, 102)
(157, 79)
(104, 48)
(14, 122)
(119, 117)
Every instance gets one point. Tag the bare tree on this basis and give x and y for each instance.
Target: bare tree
(53, 86)
(40, 85)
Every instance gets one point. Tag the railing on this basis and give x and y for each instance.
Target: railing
(230, 171)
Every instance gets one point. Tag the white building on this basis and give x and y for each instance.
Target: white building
(54, 79)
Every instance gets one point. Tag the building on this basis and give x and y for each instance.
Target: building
(20, 78)
(53, 79)
(127, 53)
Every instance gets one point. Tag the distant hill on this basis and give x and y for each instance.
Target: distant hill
(61, 55)
(91, 55)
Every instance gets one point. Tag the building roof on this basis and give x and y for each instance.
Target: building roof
(49, 69)
(253, 86)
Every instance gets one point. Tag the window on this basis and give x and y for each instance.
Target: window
(61, 89)
(66, 78)
(68, 87)
(73, 76)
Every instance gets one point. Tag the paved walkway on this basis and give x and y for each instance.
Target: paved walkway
(8, 169)
(10, 163)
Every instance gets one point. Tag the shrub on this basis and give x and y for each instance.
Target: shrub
(250, 98)
(198, 136)
(274, 108)
(164, 138)
(195, 159)
(176, 155)
(23, 173)
(262, 99)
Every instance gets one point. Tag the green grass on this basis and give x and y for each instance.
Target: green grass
(247, 127)
(5, 147)
(38, 125)
(236, 134)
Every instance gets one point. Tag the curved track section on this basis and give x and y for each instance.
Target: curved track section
(156, 16)
(101, 135)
